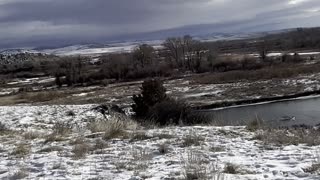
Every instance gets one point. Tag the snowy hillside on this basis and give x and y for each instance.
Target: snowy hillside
(97, 49)
(74, 142)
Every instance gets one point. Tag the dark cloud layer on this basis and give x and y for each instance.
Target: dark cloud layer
(57, 22)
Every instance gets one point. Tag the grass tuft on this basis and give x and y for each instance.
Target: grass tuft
(80, 150)
(254, 125)
(21, 151)
(192, 139)
(31, 135)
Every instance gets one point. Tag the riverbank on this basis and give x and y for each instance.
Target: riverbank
(199, 96)
(252, 102)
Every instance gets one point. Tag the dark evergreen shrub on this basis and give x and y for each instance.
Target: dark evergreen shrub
(152, 92)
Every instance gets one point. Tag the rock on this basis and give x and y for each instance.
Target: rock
(275, 172)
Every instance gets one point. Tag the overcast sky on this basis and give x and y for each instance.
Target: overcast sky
(50, 22)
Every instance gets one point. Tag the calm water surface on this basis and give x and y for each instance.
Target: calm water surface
(305, 111)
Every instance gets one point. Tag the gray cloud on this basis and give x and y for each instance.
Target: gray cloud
(51, 22)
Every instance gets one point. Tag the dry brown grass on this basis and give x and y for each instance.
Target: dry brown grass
(31, 135)
(281, 71)
(115, 121)
(80, 150)
(163, 136)
(99, 145)
(53, 138)
(139, 136)
(51, 149)
(60, 131)
(280, 137)
(197, 166)
(255, 124)
(192, 139)
(21, 150)
(40, 96)
(116, 127)
(79, 140)
(141, 159)
(62, 128)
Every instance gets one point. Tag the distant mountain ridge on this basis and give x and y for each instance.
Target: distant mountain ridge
(126, 46)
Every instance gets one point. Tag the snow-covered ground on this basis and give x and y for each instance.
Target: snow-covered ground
(80, 50)
(166, 153)
(87, 49)
(273, 54)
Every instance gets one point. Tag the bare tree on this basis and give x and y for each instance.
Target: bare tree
(263, 49)
(116, 66)
(211, 59)
(186, 51)
(198, 55)
(143, 55)
(173, 46)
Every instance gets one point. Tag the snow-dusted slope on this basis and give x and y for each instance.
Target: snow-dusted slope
(86, 49)
(17, 51)
(96, 49)
(201, 150)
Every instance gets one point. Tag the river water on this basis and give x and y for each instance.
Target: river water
(281, 113)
